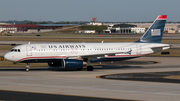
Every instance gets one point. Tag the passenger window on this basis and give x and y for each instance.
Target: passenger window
(15, 50)
(18, 50)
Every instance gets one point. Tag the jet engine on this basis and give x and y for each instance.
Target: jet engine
(67, 63)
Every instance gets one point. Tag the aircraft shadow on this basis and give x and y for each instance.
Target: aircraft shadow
(114, 67)
(96, 67)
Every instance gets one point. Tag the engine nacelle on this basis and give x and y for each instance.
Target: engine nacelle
(55, 64)
(72, 63)
(67, 63)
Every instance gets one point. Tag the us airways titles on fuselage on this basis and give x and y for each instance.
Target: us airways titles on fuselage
(66, 46)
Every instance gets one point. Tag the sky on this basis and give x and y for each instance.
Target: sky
(84, 10)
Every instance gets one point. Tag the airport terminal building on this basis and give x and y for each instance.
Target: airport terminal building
(139, 28)
(169, 27)
(123, 28)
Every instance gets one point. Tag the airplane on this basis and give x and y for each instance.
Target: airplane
(74, 55)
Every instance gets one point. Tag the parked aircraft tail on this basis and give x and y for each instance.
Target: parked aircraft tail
(155, 32)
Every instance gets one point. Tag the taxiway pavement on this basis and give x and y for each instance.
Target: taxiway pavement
(85, 83)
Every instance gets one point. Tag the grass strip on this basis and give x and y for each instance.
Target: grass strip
(80, 39)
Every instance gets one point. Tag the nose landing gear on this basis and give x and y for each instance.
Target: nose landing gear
(27, 67)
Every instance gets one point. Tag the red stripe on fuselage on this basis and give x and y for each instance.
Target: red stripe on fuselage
(47, 57)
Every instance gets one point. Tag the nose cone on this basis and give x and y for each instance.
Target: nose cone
(8, 57)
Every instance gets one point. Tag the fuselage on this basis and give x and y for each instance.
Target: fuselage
(31, 53)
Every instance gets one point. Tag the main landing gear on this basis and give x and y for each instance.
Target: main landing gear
(89, 67)
(27, 67)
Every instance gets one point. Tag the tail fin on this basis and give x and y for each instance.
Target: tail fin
(155, 32)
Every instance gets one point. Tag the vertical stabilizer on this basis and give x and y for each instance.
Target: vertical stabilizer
(155, 32)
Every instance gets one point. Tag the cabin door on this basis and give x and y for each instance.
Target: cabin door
(29, 50)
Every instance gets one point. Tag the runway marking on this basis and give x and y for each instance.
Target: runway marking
(176, 77)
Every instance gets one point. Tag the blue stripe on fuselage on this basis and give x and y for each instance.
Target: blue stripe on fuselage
(40, 60)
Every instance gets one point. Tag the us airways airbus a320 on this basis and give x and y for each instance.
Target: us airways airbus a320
(73, 55)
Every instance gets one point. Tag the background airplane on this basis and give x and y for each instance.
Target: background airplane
(73, 55)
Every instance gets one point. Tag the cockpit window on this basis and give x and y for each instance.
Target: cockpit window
(15, 50)
(12, 50)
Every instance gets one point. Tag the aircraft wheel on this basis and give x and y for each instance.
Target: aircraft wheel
(90, 68)
(27, 69)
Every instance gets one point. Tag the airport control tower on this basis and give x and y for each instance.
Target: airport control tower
(94, 19)
(94, 22)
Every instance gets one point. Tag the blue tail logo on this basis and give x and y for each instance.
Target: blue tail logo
(155, 32)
